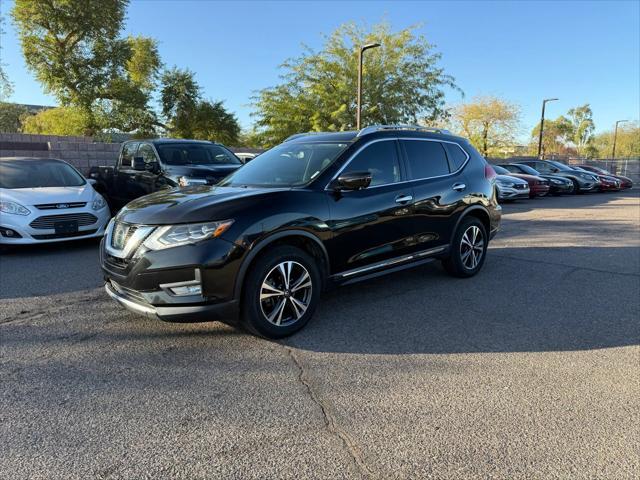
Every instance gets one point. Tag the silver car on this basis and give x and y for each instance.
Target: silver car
(511, 188)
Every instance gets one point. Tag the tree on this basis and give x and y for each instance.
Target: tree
(627, 144)
(581, 119)
(402, 83)
(189, 116)
(11, 117)
(6, 87)
(491, 124)
(556, 136)
(74, 49)
(56, 121)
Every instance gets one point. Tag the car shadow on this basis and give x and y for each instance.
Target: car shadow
(597, 199)
(520, 302)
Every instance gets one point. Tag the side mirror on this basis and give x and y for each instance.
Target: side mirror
(92, 181)
(353, 181)
(138, 164)
(152, 167)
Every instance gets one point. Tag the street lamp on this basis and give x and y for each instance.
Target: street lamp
(359, 106)
(544, 102)
(615, 138)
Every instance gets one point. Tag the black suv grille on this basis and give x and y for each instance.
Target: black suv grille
(48, 221)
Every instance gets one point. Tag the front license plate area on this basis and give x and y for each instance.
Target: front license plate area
(69, 226)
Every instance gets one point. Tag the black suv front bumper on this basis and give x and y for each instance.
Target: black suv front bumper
(145, 285)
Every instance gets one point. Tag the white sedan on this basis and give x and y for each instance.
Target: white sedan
(47, 200)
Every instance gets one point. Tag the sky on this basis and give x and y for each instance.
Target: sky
(578, 51)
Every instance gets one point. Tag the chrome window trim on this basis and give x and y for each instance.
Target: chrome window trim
(346, 164)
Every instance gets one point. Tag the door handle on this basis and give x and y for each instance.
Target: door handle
(403, 199)
(459, 187)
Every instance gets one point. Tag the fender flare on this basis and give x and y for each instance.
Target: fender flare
(472, 208)
(264, 243)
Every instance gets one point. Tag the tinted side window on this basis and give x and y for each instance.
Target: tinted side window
(542, 167)
(426, 159)
(457, 156)
(381, 160)
(128, 152)
(146, 152)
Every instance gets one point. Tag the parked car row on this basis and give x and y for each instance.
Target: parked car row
(537, 178)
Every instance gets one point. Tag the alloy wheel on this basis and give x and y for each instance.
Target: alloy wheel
(471, 247)
(285, 293)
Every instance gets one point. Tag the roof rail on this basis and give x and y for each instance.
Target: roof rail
(417, 128)
(298, 135)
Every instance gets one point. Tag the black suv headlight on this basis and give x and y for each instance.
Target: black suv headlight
(176, 235)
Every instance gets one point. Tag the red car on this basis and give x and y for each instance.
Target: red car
(538, 186)
(625, 182)
(606, 183)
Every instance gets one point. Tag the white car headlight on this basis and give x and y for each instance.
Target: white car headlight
(503, 183)
(13, 208)
(176, 235)
(98, 203)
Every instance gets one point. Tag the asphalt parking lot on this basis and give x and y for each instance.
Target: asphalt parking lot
(529, 370)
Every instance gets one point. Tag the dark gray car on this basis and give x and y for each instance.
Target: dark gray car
(582, 181)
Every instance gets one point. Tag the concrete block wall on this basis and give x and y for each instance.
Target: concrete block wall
(82, 152)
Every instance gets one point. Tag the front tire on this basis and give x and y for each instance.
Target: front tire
(281, 292)
(468, 249)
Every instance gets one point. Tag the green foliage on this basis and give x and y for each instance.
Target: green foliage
(189, 116)
(581, 119)
(402, 83)
(11, 117)
(56, 121)
(556, 138)
(627, 144)
(6, 87)
(74, 49)
(490, 123)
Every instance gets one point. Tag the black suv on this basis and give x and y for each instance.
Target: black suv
(317, 210)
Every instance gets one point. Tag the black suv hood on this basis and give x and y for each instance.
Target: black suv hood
(214, 172)
(198, 203)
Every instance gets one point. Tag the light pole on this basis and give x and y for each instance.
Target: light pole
(359, 105)
(544, 102)
(615, 138)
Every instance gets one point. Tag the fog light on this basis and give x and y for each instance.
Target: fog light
(7, 232)
(186, 290)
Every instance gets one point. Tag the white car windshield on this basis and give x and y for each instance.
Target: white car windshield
(38, 173)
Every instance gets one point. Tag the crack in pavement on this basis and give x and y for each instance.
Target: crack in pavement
(329, 419)
(85, 297)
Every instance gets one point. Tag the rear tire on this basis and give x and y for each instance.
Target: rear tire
(280, 293)
(468, 249)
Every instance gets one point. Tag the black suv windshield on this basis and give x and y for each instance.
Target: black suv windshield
(195, 154)
(287, 165)
(40, 173)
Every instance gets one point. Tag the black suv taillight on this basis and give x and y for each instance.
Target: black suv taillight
(489, 172)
